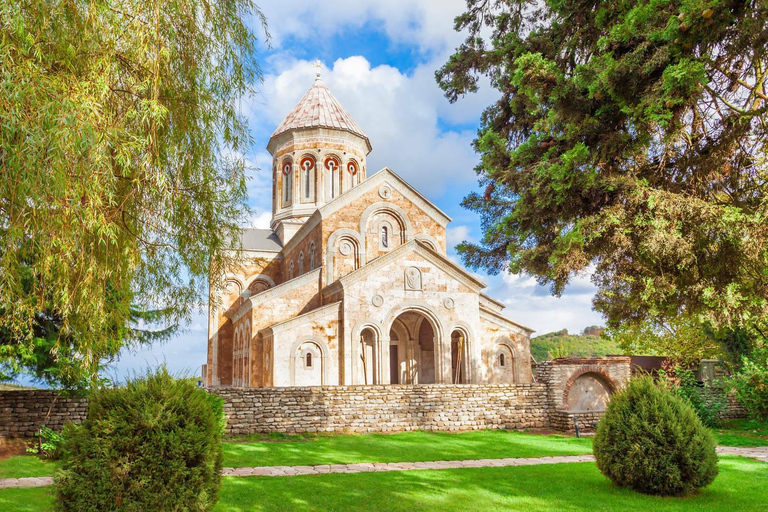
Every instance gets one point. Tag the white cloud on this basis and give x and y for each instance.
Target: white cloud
(533, 305)
(427, 24)
(399, 113)
(454, 235)
(261, 220)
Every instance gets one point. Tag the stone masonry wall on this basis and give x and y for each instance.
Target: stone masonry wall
(22, 412)
(343, 408)
(385, 408)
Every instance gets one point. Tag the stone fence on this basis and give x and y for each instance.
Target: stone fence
(385, 408)
(22, 412)
(567, 390)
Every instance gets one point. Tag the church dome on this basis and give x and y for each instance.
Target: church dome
(319, 109)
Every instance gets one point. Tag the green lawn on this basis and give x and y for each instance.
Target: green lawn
(743, 433)
(402, 447)
(741, 485)
(25, 465)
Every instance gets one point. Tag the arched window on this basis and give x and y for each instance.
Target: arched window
(301, 263)
(287, 185)
(502, 361)
(385, 237)
(290, 271)
(307, 177)
(312, 256)
(308, 360)
(349, 179)
(332, 164)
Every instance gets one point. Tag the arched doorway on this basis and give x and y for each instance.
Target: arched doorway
(459, 359)
(368, 364)
(412, 350)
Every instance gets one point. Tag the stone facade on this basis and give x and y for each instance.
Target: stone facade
(22, 412)
(351, 285)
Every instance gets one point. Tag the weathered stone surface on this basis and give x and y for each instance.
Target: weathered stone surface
(22, 412)
(385, 408)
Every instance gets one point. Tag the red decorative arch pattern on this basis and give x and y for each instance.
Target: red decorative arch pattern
(613, 386)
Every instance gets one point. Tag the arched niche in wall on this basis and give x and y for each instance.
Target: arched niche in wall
(430, 242)
(503, 362)
(344, 254)
(384, 219)
(309, 362)
(259, 284)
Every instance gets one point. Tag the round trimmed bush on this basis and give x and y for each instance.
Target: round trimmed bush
(653, 442)
(154, 444)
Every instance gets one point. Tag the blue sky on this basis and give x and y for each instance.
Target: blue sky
(379, 59)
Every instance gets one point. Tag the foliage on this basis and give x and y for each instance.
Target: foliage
(154, 444)
(751, 384)
(708, 400)
(49, 443)
(121, 150)
(737, 343)
(562, 344)
(682, 339)
(651, 441)
(630, 140)
(52, 355)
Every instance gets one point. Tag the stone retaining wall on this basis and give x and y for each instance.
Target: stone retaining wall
(355, 408)
(22, 412)
(385, 408)
(565, 421)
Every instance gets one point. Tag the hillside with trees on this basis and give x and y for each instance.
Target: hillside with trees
(589, 343)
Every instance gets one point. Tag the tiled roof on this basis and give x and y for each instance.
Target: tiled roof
(318, 108)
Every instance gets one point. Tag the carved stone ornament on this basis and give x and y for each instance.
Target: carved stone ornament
(412, 278)
(345, 248)
(385, 192)
(377, 300)
(448, 303)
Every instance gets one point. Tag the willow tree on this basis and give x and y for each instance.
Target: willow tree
(121, 143)
(629, 140)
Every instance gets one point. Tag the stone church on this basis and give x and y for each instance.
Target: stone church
(351, 285)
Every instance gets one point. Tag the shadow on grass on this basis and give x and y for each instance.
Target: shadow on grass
(742, 485)
(401, 447)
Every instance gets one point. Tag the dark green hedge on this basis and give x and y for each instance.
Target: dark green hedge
(153, 445)
(651, 441)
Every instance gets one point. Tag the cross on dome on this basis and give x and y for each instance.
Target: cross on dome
(318, 67)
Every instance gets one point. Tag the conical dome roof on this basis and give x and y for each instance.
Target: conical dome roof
(318, 108)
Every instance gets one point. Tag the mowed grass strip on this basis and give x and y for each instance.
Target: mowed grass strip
(743, 432)
(741, 485)
(282, 450)
(22, 466)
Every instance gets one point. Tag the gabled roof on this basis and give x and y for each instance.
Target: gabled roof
(386, 175)
(277, 291)
(319, 108)
(414, 246)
